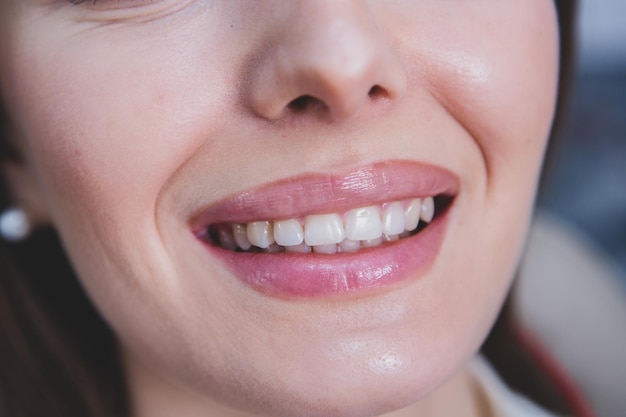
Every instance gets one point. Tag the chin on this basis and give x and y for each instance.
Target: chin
(350, 397)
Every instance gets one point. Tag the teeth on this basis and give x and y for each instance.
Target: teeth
(323, 229)
(428, 209)
(274, 248)
(288, 233)
(393, 219)
(239, 232)
(364, 224)
(260, 234)
(348, 245)
(301, 248)
(227, 240)
(412, 214)
(371, 243)
(391, 238)
(327, 249)
(362, 227)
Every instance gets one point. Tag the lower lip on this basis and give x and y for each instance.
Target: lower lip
(319, 275)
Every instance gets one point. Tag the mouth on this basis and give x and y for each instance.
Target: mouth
(330, 233)
(326, 235)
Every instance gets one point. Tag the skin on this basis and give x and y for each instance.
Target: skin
(132, 115)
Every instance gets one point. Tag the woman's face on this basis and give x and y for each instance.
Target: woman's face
(154, 126)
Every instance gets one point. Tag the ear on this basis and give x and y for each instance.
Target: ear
(24, 192)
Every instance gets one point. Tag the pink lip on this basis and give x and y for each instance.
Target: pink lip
(318, 275)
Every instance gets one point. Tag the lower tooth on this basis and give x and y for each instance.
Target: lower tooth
(327, 249)
(274, 248)
(301, 248)
(372, 242)
(348, 245)
(391, 238)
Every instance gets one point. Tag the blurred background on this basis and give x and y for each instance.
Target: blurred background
(587, 184)
(572, 286)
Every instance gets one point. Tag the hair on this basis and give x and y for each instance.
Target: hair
(59, 358)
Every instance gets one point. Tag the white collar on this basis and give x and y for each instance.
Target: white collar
(501, 400)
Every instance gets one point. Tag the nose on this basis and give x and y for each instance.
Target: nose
(326, 57)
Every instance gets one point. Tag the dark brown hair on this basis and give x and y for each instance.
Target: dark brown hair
(58, 358)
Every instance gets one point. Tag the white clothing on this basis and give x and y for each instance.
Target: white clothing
(501, 400)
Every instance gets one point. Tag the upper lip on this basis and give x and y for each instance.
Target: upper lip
(330, 193)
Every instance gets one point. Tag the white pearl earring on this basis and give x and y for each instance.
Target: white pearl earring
(14, 225)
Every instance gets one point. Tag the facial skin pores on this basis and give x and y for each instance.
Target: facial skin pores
(154, 129)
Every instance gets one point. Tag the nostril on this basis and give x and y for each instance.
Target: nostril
(377, 92)
(299, 104)
(305, 103)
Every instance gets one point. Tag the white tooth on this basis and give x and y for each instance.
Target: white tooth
(391, 238)
(301, 248)
(328, 249)
(239, 232)
(227, 240)
(323, 229)
(428, 209)
(364, 223)
(370, 243)
(288, 232)
(412, 214)
(348, 245)
(260, 234)
(393, 219)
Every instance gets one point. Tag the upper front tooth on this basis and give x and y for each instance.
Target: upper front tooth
(428, 209)
(364, 223)
(412, 213)
(393, 219)
(323, 229)
(260, 234)
(288, 232)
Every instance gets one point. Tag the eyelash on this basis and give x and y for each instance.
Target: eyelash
(93, 2)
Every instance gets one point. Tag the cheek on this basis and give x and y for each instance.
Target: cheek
(481, 62)
(512, 60)
(107, 126)
(106, 129)
(100, 131)
(500, 85)
(494, 70)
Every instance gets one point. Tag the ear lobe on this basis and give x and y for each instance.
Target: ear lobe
(24, 192)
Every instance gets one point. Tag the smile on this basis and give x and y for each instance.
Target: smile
(324, 235)
(331, 233)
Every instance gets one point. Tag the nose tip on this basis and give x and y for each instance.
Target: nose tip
(332, 72)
